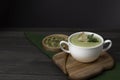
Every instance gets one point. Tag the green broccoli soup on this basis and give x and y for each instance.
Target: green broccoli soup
(85, 40)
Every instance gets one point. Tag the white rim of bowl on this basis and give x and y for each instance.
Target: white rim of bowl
(102, 40)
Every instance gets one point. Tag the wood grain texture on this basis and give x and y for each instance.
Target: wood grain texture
(20, 60)
(80, 71)
(60, 60)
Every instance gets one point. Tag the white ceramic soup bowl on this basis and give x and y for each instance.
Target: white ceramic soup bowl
(86, 54)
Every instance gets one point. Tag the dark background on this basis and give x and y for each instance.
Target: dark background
(20, 60)
(60, 13)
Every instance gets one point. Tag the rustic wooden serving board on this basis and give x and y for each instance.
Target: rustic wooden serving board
(82, 71)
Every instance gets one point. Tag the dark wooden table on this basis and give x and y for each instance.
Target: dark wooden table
(20, 60)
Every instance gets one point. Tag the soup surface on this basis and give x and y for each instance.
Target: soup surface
(75, 40)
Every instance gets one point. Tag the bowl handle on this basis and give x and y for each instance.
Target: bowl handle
(109, 46)
(64, 42)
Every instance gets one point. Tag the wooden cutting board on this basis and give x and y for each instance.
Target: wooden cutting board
(82, 71)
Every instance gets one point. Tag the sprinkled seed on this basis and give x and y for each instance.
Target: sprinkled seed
(54, 41)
